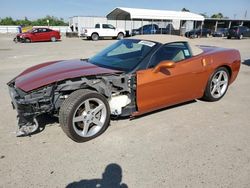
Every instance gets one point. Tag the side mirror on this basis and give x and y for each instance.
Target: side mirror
(164, 65)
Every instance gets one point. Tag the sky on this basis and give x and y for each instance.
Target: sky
(34, 9)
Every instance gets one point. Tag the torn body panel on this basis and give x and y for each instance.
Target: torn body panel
(48, 99)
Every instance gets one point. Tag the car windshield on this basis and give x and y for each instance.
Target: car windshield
(124, 55)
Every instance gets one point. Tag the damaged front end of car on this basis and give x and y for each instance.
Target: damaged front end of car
(29, 106)
(119, 90)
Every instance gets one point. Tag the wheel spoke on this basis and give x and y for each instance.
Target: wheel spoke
(78, 119)
(214, 89)
(97, 109)
(97, 122)
(222, 82)
(87, 106)
(219, 90)
(214, 80)
(220, 76)
(85, 128)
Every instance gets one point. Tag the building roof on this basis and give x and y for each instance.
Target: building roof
(164, 39)
(121, 13)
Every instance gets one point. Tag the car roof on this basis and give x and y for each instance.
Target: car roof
(164, 39)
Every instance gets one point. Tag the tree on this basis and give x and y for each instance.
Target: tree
(185, 10)
(25, 22)
(219, 15)
(39, 22)
(52, 21)
(7, 21)
(204, 15)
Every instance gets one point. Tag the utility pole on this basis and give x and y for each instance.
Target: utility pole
(245, 16)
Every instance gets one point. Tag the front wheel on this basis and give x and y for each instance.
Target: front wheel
(84, 115)
(217, 85)
(27, 40)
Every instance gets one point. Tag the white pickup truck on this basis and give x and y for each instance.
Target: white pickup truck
(103, 30)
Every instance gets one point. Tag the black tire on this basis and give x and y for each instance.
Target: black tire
(212, 96)
(72, 105)
(240, 36)
(228, 37)
(95, 37)
(27, 40)
(120, 36)
(53, 39)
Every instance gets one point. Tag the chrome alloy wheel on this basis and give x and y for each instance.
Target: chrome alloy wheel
(219, 84)
(89, 117)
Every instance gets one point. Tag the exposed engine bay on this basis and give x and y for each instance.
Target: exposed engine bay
(119, 89)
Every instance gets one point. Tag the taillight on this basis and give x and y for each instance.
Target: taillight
(238, 30)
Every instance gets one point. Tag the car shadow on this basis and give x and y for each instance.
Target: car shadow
(111, 178)
(35, 42)
(246, 62)
(101, 39)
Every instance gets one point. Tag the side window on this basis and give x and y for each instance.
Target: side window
(175, 51)
(105, 26)
(111, 26)
(97, 25)
(40, 30)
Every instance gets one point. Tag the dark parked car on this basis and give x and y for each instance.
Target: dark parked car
(153, 29)
(204, 32)
(38, 34)
(146, 29)
(238, 32)
(221, 32)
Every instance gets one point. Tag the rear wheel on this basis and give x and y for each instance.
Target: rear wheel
(217, 85)
(53, 39)
(95, 36)
(228, 37)
(120, 36)
(84, 115)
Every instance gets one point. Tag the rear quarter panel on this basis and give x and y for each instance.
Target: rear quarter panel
(218, 57)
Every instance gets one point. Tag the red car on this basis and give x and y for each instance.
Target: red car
(38, 34)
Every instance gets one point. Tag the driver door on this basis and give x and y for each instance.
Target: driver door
(109, 30)
(184, 82)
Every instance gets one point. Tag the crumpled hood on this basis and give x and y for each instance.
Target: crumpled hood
(47, 73)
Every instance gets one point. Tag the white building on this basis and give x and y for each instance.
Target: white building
(132, 18)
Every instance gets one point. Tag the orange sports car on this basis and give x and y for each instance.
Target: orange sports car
(129, 78)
